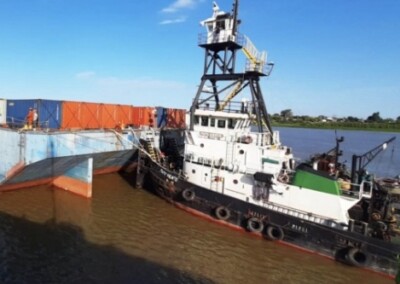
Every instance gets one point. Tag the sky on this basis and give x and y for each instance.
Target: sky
(334, 58)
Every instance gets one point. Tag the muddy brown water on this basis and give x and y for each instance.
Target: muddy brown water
(127, 235)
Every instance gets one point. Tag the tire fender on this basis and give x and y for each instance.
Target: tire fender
(274, 233)
(222, 213)
(188, 194)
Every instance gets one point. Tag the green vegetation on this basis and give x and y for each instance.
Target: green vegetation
(373, 123)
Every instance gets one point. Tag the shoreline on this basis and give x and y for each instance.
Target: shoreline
(339, 126)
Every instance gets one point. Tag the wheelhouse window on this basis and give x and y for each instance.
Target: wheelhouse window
(231, 123)
(212, 122)
(221, 123)
(204, 121)
(221, 25)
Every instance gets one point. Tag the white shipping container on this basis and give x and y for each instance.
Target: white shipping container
(3, 111)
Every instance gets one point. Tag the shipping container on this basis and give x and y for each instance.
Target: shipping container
(49, 112)
(113, 115)
(108, 116)
(124, 115)
(176, 118)
(84, 115)
(81, 115)
(3, 111)
(144, 116)
(162, 115)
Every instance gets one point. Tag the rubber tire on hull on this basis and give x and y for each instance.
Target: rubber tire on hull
(274, 233)
(222, 213)
(188, 194)
(357, 257)
(255, 225)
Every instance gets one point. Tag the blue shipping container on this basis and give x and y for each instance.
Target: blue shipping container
(49, 112)
(162, 115)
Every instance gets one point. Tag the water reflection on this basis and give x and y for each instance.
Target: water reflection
(125, 235)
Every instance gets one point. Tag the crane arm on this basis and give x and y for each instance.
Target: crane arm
(367, 157)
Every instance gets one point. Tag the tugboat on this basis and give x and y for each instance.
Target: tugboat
(234, 170)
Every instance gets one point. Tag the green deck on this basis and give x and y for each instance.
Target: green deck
(314, 181)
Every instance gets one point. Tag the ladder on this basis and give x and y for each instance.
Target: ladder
(228, 98)
(229, 153)
(257, 59)
(151, 151)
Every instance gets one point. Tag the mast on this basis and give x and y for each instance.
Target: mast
(235, 10)
(221, 42)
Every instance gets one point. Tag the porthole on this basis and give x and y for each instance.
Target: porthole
(235, 181)
(241, 152)
(193, 171)
(201, 145)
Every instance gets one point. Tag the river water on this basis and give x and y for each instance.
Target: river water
(127, 235)
(305, 142)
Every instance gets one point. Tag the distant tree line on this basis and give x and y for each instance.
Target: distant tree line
(374, 121)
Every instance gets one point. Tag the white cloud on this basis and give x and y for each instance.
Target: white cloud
(85, 75)
(178, 5)
(173, 21)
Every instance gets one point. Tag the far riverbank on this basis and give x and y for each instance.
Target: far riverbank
(356, 126)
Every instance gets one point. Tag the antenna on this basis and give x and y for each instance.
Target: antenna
(235, 15)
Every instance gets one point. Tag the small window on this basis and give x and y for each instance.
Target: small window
(204, 121)
(196, 120)
(212, 122)
(193, 171)
(201, 145)
(221, 25)
(241, 152)
(231, 123)
(235, 181)
(221, 123)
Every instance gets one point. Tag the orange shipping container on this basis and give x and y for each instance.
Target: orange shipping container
(85, 115)
(80, 115)
(176, 118)
(144, 116)
(124, 114)
(113, 115)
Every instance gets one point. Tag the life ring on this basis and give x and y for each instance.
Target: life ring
(188, 194)
(376, 216)
(248, 140)
(222, 213)
(284, 178)
(274, 233)
(255, 225)
(357, 257)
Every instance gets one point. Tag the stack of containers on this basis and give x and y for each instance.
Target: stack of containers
(67, 115)
(71, 115)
